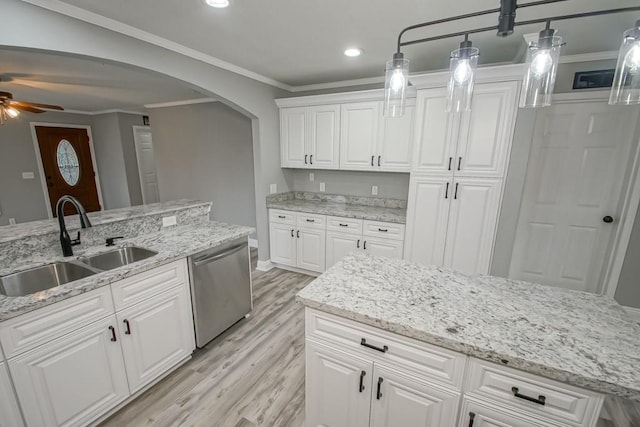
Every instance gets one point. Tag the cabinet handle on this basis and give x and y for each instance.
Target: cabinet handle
(378, 392)
(459, 161)
(298, 234)
(281, 216)
(358, 244)
(364, 245)
(450, 160)
(541, 400)
(362, 374)
(292, 233)
(364, 343)
(455, 196)
(311, 220)
(372, 157)
(384, 230)
(128, 331)
(379, 158)
(472, 416)
(446, 192)
(305, 158)
(311, 159)
(113, 333)
(343, 225)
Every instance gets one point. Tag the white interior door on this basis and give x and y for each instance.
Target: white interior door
(146, 164)
(578, 163)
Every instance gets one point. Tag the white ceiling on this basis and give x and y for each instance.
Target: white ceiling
(85, 84)
(300, 42)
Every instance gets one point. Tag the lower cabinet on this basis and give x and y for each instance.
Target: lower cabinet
(72, 380)
(283, 246)
(475, 414)
(297, 240)
(9, 409)
(310, 249)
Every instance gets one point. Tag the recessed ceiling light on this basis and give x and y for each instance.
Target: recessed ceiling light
(217, 3)
(353, 51)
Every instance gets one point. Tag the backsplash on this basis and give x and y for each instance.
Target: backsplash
(338, 198)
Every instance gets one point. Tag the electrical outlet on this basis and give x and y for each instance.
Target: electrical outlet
(374, 190)
(273, 188)
(12, 221)
(322, 187)
(28, 175)
(168, 221)
(312, 176)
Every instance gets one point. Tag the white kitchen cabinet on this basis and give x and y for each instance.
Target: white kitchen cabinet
(404, 400)
(340, 245)
(72, 380)
(9, 409)
(311, 249)
(383, 247)
(298, 239)
(282, 243)
(395, 140)
(293, 136)
(337, 389)
(359, 135)
(156, 334)
(476, 414)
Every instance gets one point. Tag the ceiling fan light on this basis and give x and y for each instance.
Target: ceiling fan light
(626, 83)
(12, 112)
(539, 79)
(462, 72)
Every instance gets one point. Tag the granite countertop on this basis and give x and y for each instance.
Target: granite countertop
(346, 210)
(578, 338)
(171, 244)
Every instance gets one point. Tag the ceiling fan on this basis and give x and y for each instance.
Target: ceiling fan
(10, 108)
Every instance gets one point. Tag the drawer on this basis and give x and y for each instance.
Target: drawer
(282, 217)
(562, 402)
(38, 327)
(344, 225)
(386, 230)
(307, 220)
(443, 366)
(140, 287)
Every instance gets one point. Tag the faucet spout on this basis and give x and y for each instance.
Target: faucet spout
(65, 240)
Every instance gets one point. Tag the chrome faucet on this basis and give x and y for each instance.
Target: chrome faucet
(65, 240)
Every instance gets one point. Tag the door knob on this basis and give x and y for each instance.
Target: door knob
(608, 219)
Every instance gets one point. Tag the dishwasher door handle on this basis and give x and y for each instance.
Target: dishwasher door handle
(215, 257)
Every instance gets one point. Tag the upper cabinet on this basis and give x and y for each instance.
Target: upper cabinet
(336, 132)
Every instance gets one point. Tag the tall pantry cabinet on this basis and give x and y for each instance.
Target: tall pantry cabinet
(457, 177)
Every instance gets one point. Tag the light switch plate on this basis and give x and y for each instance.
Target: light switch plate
(374, 190)
(12, 221)
(312, 176)
(273, 188)
(168, 221)
(322, 187)
(28, 175)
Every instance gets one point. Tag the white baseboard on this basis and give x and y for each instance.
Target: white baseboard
(296, 269)
(264, 265)
(253, 243)
(633, 312)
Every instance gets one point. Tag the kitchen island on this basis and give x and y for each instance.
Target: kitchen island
(513, 350)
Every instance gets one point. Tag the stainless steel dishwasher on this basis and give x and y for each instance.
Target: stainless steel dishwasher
(220, 288)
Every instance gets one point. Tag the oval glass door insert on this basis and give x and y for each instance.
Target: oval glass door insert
(68, 163)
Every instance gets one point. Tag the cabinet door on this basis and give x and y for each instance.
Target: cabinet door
(293, 137)
(337, 388)
(156, 334)
(402, 400)
(486, 131)
(9, 409)
(383, 247)
(282, 243)
(481, 415)
(427, 218)
(396, 140)
(359, 135)
(436, 133)
(311, 249)
(472, 224)
(324, 152)
(340, 245)
(72, 380)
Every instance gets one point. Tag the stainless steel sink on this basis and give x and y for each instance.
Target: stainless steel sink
(118, 258)
(41, 278)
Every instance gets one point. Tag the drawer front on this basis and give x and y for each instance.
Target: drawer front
(307, 220)
(562, 402)
(443, 366)
(282, 217)
(30, 330)
(385, 230)
(344, 225)
(140, 287)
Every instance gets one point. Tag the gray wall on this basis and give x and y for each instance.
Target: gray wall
(205, 151)
(19, 198)
(390, 185)
(126, 123)
(628, 292)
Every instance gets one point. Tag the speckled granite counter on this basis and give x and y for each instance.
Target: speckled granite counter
(578, 338)
(171, 244)
(375, 209)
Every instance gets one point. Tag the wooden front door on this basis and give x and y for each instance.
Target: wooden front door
(68, 167)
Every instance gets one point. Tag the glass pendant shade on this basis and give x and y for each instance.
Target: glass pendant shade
(540, 75)
(626, 83)
(396, 80)
(462, 74)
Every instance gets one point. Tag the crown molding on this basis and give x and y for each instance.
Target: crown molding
(95, 113)
(337, 98)
(339, 84)
(588, 57)
(180, 103)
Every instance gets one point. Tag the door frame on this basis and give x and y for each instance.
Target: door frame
(135, 144)
(43, 181)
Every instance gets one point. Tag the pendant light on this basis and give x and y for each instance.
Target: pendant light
(462, 73)
(396, 80)
(542, 66)
(626, 83)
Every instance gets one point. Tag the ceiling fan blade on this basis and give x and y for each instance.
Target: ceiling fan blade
(36, 105)
(27, 108)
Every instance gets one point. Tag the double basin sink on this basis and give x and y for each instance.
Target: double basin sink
(56, 274)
